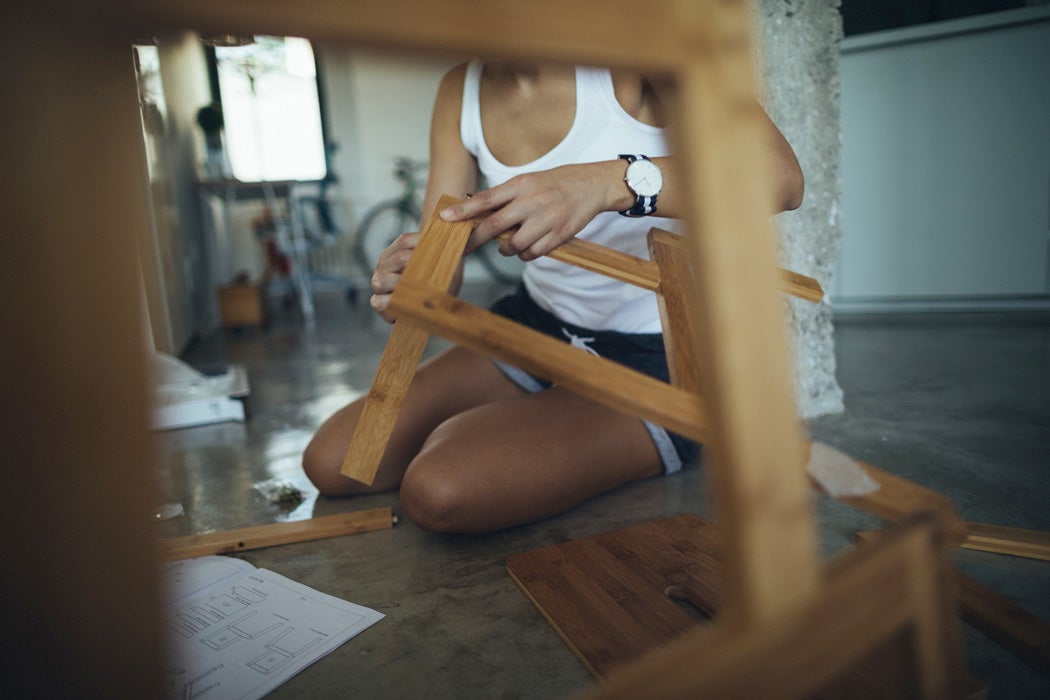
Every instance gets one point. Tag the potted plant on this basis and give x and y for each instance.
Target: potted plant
(209, 118)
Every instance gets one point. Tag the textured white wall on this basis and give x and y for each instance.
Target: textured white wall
(945, 165)
(801, 58)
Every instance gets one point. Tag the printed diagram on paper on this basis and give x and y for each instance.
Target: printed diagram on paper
(235, 631)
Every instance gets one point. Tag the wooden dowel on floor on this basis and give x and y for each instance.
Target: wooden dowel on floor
(1034, 544)
(257, 537)
(1015, 541)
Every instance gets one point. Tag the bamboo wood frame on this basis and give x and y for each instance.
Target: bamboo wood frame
(423, 306)
(761, 494)
(1017, 630)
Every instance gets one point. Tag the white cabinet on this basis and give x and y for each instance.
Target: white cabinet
(945, 164)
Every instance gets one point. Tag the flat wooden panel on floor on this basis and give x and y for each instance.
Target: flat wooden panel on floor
(606, 596)
(873, 599)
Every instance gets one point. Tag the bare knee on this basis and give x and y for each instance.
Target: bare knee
(434, 499)
(321, 464)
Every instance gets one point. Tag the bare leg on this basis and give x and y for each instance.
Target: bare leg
(454, 381)
(520, 459)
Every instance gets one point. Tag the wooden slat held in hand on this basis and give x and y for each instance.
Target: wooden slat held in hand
(432, 267)
(647, 273)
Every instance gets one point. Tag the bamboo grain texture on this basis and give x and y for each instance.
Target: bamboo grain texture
(433, 264)
(257, 537)
(1001, 619)
(1018, 542)
(677, 315)
(646, 273)
(597, 378)
(868, 597)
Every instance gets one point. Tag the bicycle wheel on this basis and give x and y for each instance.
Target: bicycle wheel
(381, 225)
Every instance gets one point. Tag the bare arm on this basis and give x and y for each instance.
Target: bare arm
(551, 206)
(453, 170)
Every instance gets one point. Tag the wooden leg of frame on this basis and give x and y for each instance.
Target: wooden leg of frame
(404, 348)
(676, 313)
(433, 264)
(1017, 630)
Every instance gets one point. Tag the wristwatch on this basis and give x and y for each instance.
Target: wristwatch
(644, 179)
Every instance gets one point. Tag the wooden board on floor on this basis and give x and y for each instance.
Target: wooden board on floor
(609, 597)
(881, 627)
(606, 596)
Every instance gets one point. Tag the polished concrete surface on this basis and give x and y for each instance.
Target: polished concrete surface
(958, 403)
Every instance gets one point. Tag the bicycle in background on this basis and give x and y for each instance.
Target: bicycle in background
(388, 219)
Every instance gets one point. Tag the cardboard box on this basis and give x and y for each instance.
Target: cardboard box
(241, 305)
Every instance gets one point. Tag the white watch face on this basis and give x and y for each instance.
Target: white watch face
(644, 178)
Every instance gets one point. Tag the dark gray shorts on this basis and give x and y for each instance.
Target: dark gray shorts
(643, 352)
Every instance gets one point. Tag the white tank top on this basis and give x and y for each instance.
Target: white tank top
(600, 131)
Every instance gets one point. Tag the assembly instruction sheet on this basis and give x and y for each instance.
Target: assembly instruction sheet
(235, 631)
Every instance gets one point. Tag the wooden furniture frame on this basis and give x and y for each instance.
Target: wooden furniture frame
(423, 305)
(704, 46)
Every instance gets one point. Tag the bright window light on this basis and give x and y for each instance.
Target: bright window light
(271, 111)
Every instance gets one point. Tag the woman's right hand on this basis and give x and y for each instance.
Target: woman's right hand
(388, 271)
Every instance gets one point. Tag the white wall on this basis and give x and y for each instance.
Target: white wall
(184, 248)
(379, 106)
(946, 165)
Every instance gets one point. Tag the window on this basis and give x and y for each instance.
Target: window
(271, 109)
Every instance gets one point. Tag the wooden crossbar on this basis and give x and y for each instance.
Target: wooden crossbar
(646, 273)
(597, 378)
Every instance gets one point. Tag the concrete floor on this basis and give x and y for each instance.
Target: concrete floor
(959, 403)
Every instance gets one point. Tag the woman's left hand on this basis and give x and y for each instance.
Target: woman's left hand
(547, 208)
